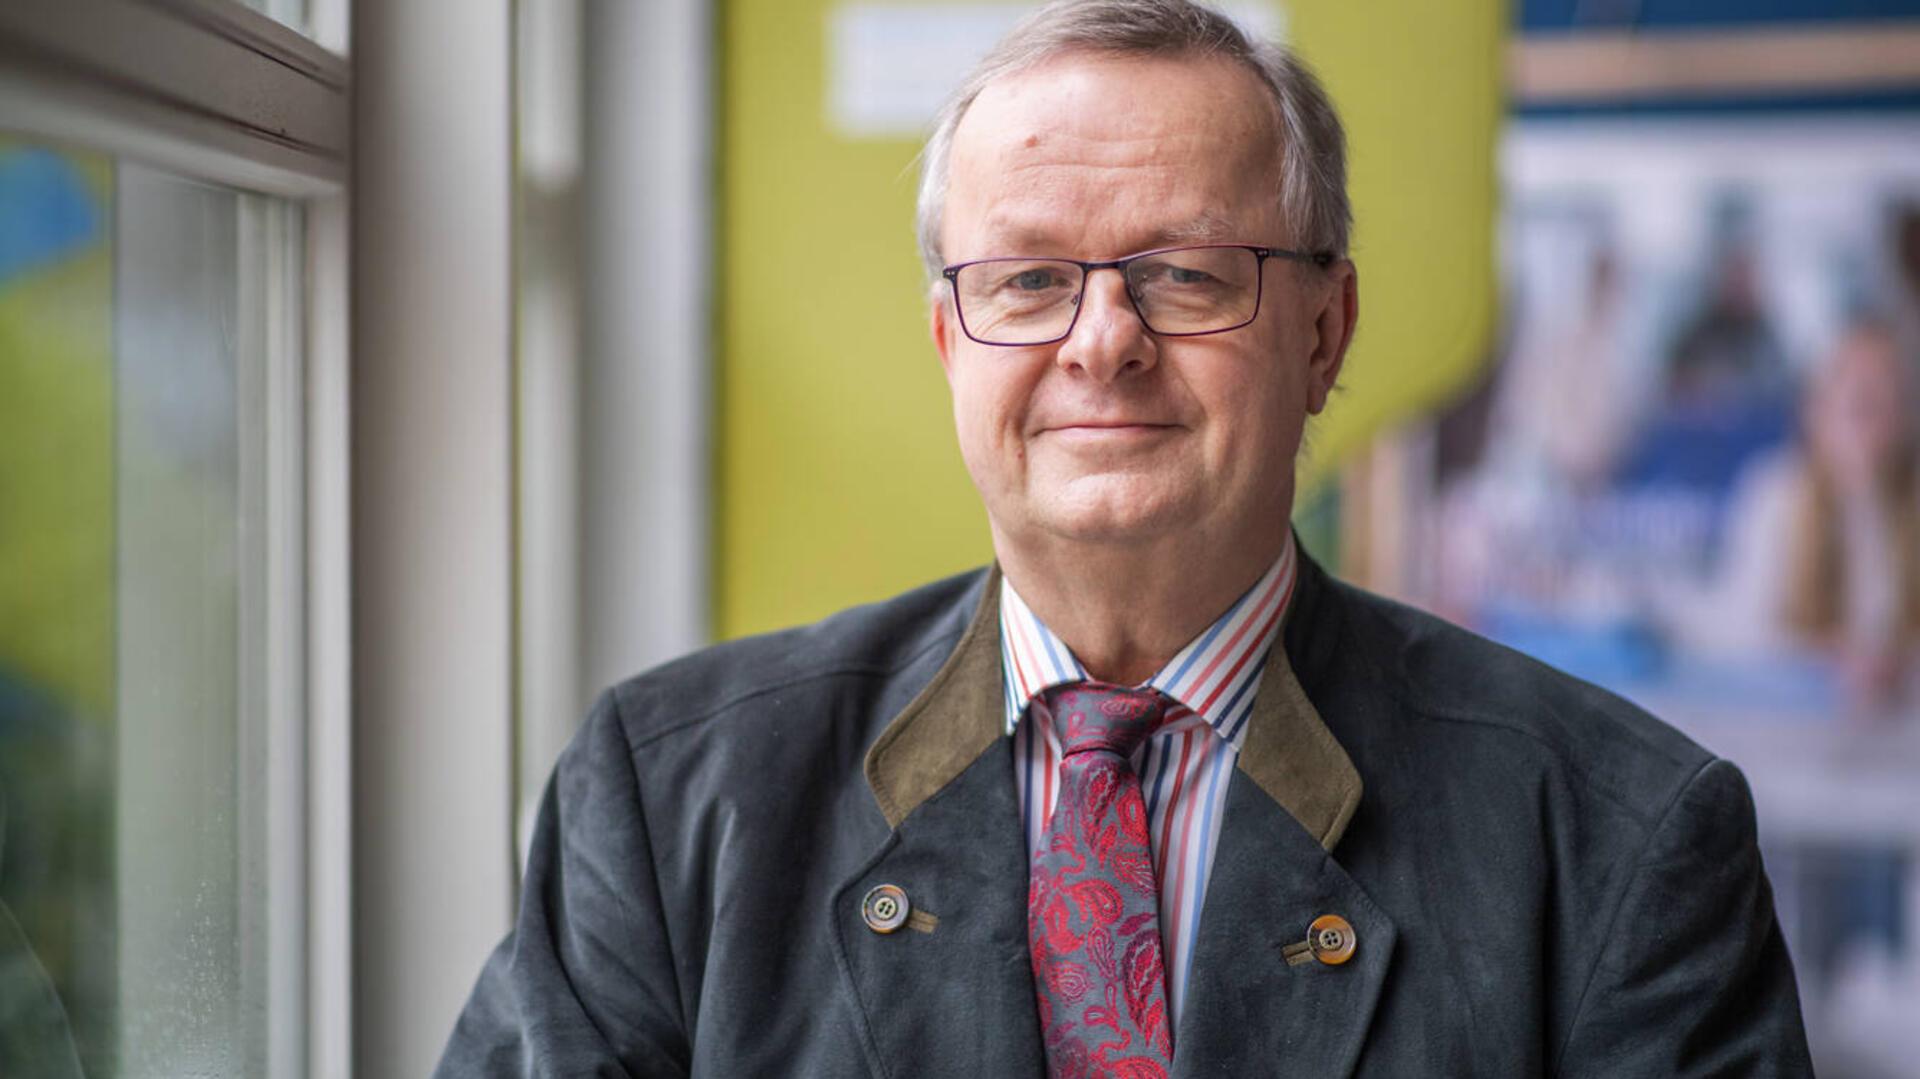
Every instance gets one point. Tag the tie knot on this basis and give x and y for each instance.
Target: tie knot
(1095, 715)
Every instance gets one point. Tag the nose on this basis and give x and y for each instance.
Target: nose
(1108, 340)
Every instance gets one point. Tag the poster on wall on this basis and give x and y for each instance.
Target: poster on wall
(1693, 477)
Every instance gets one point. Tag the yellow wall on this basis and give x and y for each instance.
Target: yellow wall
(838, 481)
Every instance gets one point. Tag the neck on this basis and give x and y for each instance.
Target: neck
(1127, 609)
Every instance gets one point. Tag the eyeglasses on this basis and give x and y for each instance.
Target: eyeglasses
(1177, 291)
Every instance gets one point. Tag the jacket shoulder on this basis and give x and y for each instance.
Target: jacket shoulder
(1445, 674)
(864, 643)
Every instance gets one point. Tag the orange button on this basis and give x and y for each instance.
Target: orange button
(1331, 939)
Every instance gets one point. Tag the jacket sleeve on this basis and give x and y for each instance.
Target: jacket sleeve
(1693, 977)
(584, 985)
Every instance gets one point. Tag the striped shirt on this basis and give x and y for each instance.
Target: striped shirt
(1184, 767)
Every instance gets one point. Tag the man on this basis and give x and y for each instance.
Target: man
(1153, 795)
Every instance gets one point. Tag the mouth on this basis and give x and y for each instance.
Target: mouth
(1102, 430)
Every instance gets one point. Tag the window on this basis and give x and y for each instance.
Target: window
(147, 342)
(169, 353)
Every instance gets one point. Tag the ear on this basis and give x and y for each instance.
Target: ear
(943, 326)
(1333, 325)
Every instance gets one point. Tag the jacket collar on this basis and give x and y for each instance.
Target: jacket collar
(1289, 752)
(952, 721)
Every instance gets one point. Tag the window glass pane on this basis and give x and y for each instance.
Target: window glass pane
(291, 12)
(144, 891)
(56, 612)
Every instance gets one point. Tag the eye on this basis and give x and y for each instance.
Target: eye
(1182, 275)
(1032, 280)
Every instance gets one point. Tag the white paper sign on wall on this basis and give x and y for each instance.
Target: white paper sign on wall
(889, 66)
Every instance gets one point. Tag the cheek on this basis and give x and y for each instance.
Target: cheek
(1261, 408)
(990, 401)
(977, 406)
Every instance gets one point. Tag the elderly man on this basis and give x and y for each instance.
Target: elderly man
(1152, 795)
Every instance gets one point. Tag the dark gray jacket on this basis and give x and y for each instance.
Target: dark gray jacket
(1541, 878)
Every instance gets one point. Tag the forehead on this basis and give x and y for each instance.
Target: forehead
(1112, 154)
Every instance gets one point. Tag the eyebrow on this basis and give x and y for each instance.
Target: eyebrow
(1205, 228)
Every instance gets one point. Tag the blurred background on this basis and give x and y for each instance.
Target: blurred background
(380, 381)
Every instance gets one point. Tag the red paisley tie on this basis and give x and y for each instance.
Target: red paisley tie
(1093, 905)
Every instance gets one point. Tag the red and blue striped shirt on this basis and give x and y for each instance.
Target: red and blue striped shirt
(1184, 767)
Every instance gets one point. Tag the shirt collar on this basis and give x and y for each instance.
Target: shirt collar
(1215, 675)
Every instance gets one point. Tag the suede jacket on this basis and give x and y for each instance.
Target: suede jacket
(1540, 879)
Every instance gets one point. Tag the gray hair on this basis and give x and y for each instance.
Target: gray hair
(1313, 157)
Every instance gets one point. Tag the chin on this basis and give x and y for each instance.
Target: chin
(1092, 511)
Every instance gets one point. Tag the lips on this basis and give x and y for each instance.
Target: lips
(1106, 433)
(1105, 425)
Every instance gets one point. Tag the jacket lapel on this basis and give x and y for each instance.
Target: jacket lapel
(951, 991)
(1258, 1002)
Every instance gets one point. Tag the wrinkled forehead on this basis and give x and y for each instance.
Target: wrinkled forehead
(1141, 150)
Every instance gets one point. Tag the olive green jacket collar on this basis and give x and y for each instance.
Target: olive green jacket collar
(1289, 753)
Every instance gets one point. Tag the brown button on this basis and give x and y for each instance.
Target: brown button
(1331, 939)
(885, 908)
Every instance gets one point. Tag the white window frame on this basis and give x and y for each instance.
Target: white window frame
(212, 90)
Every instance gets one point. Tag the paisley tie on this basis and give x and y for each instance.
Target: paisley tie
(1093, 905)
